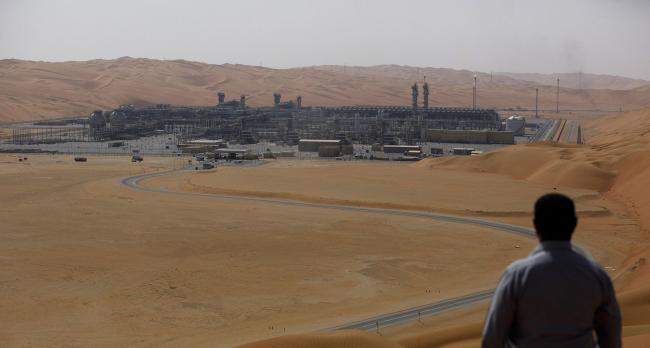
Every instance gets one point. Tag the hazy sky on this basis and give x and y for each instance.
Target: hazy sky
(598, 36)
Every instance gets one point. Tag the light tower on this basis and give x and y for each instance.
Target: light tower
(536, 100)
(474, 94)
(557, 97)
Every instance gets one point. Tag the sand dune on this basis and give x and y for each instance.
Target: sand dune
(36, 90)
(560, 165)
(581, 80)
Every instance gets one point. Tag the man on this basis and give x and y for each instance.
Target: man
(557, 297)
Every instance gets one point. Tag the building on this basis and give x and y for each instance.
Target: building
(201, 145)
(313, 145)
(469, 136)
(436, 151)
(329, 151)
(401, 149)
(230, 153)
(463, 151)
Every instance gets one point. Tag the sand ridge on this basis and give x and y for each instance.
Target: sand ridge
(78, 88)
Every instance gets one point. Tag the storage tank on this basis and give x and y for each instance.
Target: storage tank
(516, 124)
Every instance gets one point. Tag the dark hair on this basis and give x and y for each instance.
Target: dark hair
(555, 217)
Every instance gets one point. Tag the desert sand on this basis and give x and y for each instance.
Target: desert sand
(88, 262)
(37, 90)
(94, 263)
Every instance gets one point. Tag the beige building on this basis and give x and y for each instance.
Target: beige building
(469, 136)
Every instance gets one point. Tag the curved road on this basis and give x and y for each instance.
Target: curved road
(385, 319)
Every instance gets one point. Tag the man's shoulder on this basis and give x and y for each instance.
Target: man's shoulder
(520, 265)
(541, 258)
(537, 256)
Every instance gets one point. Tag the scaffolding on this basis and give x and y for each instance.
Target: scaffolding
(49, 135)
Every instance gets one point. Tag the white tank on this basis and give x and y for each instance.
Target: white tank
(516, 124)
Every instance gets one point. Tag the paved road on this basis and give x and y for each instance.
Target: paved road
(386, 319)
(415, 313)
(570, 133)
(545, 133)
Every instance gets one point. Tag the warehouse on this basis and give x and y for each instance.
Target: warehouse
(313, 145)
(469, 136)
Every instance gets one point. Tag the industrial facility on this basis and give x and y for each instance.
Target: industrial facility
(284, 122)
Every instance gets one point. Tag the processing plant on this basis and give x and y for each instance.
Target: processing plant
(286, 122)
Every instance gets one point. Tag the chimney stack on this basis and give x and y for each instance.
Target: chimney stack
(414, 96)
(276, 99)
(425, 91)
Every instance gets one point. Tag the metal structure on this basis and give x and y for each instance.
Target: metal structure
(283, 122)
(49, 135)
(474, 94)
(425, 92)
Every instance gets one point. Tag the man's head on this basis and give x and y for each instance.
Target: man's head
(555, 217)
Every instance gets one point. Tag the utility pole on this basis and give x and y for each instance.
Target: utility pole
(474, 94)
(536, 100)
(557, 98)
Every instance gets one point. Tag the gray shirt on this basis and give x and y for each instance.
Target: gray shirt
(554, 298)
